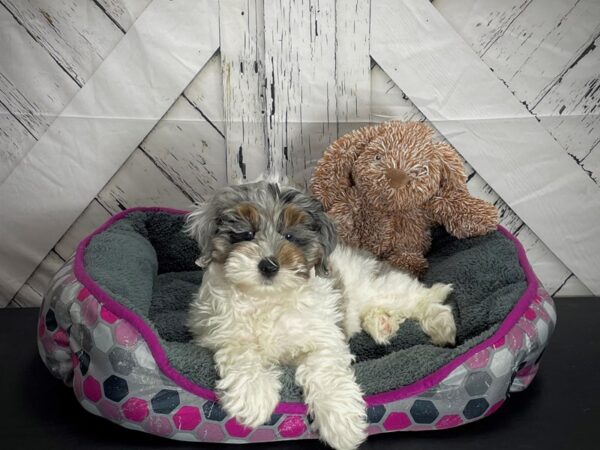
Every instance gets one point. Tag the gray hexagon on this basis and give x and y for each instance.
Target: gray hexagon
(475, 408)
(423, 411)
(121, 360)
(213, 411)
(375, 413)
(478, 383)
(165, 401)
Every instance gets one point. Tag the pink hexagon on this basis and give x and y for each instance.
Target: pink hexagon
(374, 429)
(541, 312)
(135, 409)
(479, 360)
(48, 344)
(77, 385)
(107, 316)
(91, 389)
(83, 294)
(396, 421)
(125, 334)
(187, 418)
(292, 426)
(495, 407)
(89, 311)
(448, 422)
(515, 339)
(41, 327)
(74, 360)
(236, 429)
(528, 328)
(530, 314)
(159, 425)
(263, 435)
(110, 410)
(210, 432)
(61, 338)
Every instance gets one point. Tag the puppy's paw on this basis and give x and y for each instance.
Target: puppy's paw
(439, 292)
(439, 324)
(381, 324)
(342, 424)
(250, 401)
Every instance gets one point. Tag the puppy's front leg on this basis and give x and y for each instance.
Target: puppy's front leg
(333, 397)
(249, 386)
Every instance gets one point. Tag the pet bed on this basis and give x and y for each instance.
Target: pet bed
(112, 326)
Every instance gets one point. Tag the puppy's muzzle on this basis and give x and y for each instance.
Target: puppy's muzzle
(268, 267)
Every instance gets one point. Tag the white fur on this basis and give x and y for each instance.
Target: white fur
(254, 327)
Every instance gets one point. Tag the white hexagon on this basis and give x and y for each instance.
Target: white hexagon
(456, 377)
(550, 310)
(502, 362)
(542, 331)
(103, 337)
(144, 358)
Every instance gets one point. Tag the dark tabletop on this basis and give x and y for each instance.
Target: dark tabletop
(560, 410)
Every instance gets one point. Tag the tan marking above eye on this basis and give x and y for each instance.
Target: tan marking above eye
(292, 215)
(249, 212)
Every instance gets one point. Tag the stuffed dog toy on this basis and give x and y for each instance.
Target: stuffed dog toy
(385, 187)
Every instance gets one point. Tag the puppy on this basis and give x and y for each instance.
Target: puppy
(276, 291)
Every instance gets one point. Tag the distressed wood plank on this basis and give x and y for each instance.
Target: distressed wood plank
(547, 56)
(352, 64)
(188, 150)
(242, 60)
(32, 191)
(77, 35)
(26, 297)
(472, 111)
(205, 93)
(15, 140)
(141, 183)
(91, 218)
(123, 12)
(299, 49)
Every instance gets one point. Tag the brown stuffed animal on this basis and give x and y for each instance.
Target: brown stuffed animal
(386, 185)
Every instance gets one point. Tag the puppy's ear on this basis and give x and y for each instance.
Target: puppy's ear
(328, 239)
(201, 225)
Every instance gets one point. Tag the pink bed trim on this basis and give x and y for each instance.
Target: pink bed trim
(293, 407)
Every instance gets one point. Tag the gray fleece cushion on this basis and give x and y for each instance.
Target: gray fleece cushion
(146, 263)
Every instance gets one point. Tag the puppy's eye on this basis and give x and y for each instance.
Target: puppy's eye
(245, 236)
(377, 157)
(289, 237)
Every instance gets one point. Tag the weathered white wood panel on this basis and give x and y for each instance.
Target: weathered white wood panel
(32, 292)
(189, 151)
(141, 183)
(75, 33)
(545, 52)
(15, 139)
(205, 93)
(352, 64)
(91, 218)
(148, 69)
(301, 89)
(478, 115)
(123, 12)
(242, 60)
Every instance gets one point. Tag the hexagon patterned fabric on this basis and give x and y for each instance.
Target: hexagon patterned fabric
(116, 374)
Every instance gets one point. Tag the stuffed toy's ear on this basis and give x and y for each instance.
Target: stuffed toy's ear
(333, 174)
(201, 225)
(452, 172)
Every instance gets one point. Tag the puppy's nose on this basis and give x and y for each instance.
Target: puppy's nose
(396, 177)
(268, 267)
